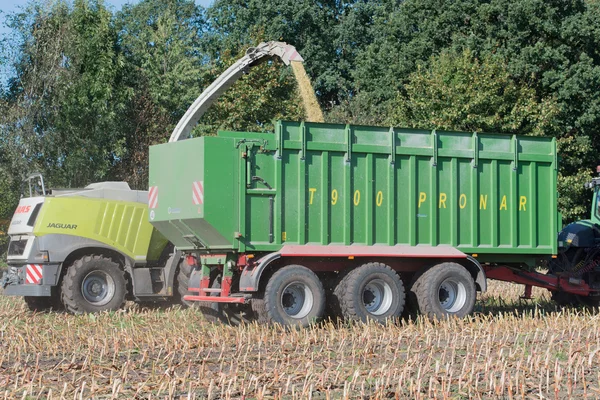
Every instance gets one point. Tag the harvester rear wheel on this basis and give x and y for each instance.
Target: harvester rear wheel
(234, 314)
(372, 291)
(294, 296)
(445, 290)
(183, 281)
(94, 283)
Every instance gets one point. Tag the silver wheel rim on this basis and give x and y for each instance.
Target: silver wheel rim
(452, 295)
(98, 288)
(297, 300)
(377, 297)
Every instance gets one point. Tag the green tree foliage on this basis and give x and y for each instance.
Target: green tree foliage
(460, 91)
(163, 73)
(266, 93)
(91, 90)
(64, 100)
(86, 127)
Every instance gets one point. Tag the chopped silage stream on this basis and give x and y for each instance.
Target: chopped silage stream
(309, 99)
(509, 349)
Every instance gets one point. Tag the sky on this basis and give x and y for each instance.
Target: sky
(12, 5)
(8, 6)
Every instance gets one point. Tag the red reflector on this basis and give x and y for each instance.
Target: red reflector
(191, 260)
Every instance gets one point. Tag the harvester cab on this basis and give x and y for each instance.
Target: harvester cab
(594, 185)
(33, 192)
(34, 186)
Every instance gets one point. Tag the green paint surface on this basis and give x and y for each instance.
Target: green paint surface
(120, 224)
(311, 183)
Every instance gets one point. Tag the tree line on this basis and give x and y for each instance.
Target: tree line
(86, 88)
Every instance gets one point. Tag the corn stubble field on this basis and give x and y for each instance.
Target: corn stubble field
(508, 349)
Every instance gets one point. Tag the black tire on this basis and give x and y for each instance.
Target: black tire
(563, 299)
(294, 296)
(92, 284)
(372, 291)
(333, 310)
(260, 309)
(411, 310)
(44, 304)
(565, 262)
(445, 290)
(183, 282)
(234, 314)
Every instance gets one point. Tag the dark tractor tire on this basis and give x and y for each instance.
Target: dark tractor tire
(372, 291)
(93, 284)
(234, 314)
(294, 296)
(567, 261)
(563, 299)
(44, 304)
(183, 282)
(445, 290)
(260, 309)
(411, 310)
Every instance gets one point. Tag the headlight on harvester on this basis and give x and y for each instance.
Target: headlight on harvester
(42, 256)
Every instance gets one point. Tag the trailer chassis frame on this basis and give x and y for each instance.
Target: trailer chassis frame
(555, 283)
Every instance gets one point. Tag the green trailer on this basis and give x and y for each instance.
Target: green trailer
(361, 219)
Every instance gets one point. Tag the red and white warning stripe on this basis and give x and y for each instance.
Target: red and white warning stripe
(153, 197)
(34, 273)
(198, 192)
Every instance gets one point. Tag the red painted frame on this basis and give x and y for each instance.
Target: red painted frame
(551, 282)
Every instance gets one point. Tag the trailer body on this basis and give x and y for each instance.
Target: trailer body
(322, 184)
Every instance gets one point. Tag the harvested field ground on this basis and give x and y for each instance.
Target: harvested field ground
(509, 349)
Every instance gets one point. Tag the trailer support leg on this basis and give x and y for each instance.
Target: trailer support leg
(527, 294)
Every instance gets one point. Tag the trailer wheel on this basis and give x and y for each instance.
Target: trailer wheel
(93, 284)
(445, 290)
(294, 296)
(371, 292)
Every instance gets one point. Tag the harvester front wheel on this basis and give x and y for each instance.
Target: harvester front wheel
(94, 283)
(294, 296)
(445, 290)
(372, 291)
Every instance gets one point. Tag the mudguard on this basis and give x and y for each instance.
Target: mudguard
(582, 233)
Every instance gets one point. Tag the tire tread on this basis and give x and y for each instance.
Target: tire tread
(344, 292)
(427, 304)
